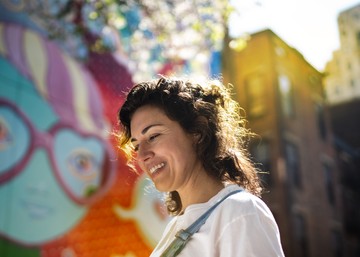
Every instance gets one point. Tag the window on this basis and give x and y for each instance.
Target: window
(337, 244)
(293, 164)
(286, 94)
(343, 32)
(349, 66)
(352, 83)
(255, 93)
(261, 154)
(280, 51)
(320, 118)
(329, 183)
(337, 90)
(300, 235)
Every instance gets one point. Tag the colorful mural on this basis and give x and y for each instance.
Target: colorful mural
(64, 187)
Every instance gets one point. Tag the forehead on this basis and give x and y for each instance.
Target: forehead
(145, 116)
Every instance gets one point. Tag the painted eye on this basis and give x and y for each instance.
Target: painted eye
(80, 161)
(15, 138)
(5, 135)
(83, 164)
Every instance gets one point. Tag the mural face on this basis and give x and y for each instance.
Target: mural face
(33, 198)
(51, 165)
(59, 195)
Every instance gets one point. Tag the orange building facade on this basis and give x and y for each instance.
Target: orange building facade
(283, 98)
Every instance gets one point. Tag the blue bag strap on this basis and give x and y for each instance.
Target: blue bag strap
(193, 228)
(183, 235)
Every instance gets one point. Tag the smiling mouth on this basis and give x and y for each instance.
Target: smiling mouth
(156, 168)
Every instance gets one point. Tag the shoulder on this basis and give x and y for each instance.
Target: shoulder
(243, 204)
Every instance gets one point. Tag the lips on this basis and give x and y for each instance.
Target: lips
(155, 168)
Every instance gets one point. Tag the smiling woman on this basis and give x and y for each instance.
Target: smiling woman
(190, 140)
(155, 136)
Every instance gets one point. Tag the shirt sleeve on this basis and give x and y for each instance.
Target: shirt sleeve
(253, 234)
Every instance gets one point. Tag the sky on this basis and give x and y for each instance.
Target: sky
(309, 26)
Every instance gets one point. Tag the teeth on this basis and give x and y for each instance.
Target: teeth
(155, 168)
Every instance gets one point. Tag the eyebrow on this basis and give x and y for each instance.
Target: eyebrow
(143, 132)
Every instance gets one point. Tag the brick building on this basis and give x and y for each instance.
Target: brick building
(283, 97)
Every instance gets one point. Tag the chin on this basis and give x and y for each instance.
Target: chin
(162, 188)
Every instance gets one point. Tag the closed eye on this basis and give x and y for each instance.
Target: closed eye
(149, 140)
(153, 137)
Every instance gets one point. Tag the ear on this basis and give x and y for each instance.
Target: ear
(201, 123)
(197, 137)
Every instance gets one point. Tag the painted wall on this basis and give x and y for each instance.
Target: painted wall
(64, 187)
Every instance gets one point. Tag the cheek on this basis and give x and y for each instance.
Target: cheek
(186, 153)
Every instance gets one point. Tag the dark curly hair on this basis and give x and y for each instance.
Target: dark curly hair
(206, 110)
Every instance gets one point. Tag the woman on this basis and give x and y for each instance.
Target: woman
(189, 138)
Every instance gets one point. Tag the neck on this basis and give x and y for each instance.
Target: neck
(201, 191)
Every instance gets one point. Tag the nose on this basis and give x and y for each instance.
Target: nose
(144, 152)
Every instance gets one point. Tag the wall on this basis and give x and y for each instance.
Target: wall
(64, 187)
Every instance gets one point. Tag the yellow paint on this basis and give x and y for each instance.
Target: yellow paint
(80, 91)
(2, 40)
(36, 60)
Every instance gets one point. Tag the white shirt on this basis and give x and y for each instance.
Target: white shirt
(241, 226)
